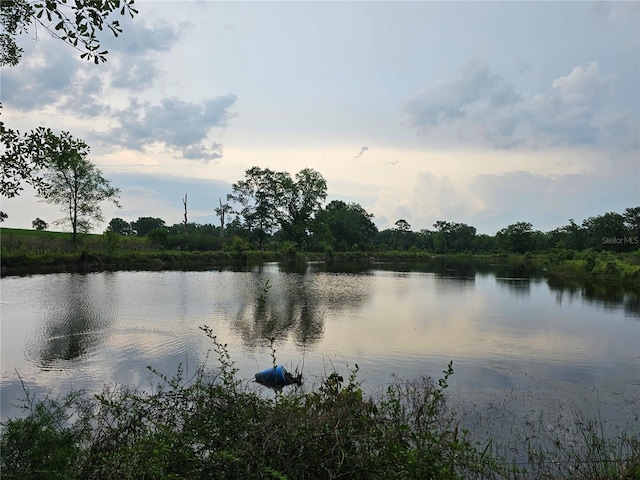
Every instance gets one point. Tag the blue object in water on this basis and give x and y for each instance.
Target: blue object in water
(277, 377)
(273, 377)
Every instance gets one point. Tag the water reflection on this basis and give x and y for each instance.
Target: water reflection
(503, 329)
(75, 309)
(609, 296)
(516, 286)
(295, 304)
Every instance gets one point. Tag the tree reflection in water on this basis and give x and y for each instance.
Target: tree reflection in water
(70, 329)
(293, 305)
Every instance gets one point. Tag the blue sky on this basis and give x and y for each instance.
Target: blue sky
(476, 112)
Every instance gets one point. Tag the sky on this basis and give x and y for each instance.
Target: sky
(474, 112)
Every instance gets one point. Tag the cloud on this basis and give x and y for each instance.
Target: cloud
(523, 67)
(140, 38)
(179, 125)
(52, 74)
(40, 79)
(479, 107)
(134, 53)
(446, 101)
(432, 198)
(608, 17)
(362, 150)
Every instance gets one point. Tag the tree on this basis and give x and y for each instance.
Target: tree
(457, 237)
(403, 226)
(300, 201)
(221, 212)
(39, 224)
(144, 225)
(516, 238)
(75, 22)
(24, 157)
(258, 196)
(186, 221)
(344, 227)
(607, 231)
(402, 235)
(632, 220)
(120, 226)
(570, 236)
(75, 184)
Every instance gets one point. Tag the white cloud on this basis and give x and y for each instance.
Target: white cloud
(482, 108)
(179, 125)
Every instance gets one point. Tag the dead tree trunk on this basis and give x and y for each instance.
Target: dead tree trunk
(222, 212)
(184, 201)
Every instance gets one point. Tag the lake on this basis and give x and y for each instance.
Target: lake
(519, 343)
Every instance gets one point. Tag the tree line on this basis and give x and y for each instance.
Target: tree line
(274, 210)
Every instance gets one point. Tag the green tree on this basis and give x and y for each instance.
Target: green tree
(344, 227)
(571, 236)
(144, 225)
(516, 238)
(632, 220)
(120, 226)
(607, 231)
(258, 197)
(75, 22)
(403, 236)
(75, 184)
(424, 239)
(457, 237)
(484, 243)
(24, 158)
(301, 200)
(39, 224)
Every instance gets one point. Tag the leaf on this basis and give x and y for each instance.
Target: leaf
(59, 25)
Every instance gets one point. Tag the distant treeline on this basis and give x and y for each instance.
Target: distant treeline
(347, 227)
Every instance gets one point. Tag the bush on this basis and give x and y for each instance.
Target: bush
(212, 425)
(215, 426)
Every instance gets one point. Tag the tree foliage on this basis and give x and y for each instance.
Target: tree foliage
(257, 197)
(24, 156)
(75, 22)
(144, 225)
(120, 226)
(267, 199)
(72, 182)
(345, 226)
(301, 200)
(39, 224)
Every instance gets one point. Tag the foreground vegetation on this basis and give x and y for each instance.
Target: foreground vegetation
(213, 425)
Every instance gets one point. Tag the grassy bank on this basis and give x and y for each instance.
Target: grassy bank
(212, 425)
(31, 251)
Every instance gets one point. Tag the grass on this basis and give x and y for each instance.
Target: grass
(32, 251)
(213, 425)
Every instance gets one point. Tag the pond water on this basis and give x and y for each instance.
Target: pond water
(518, 342)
